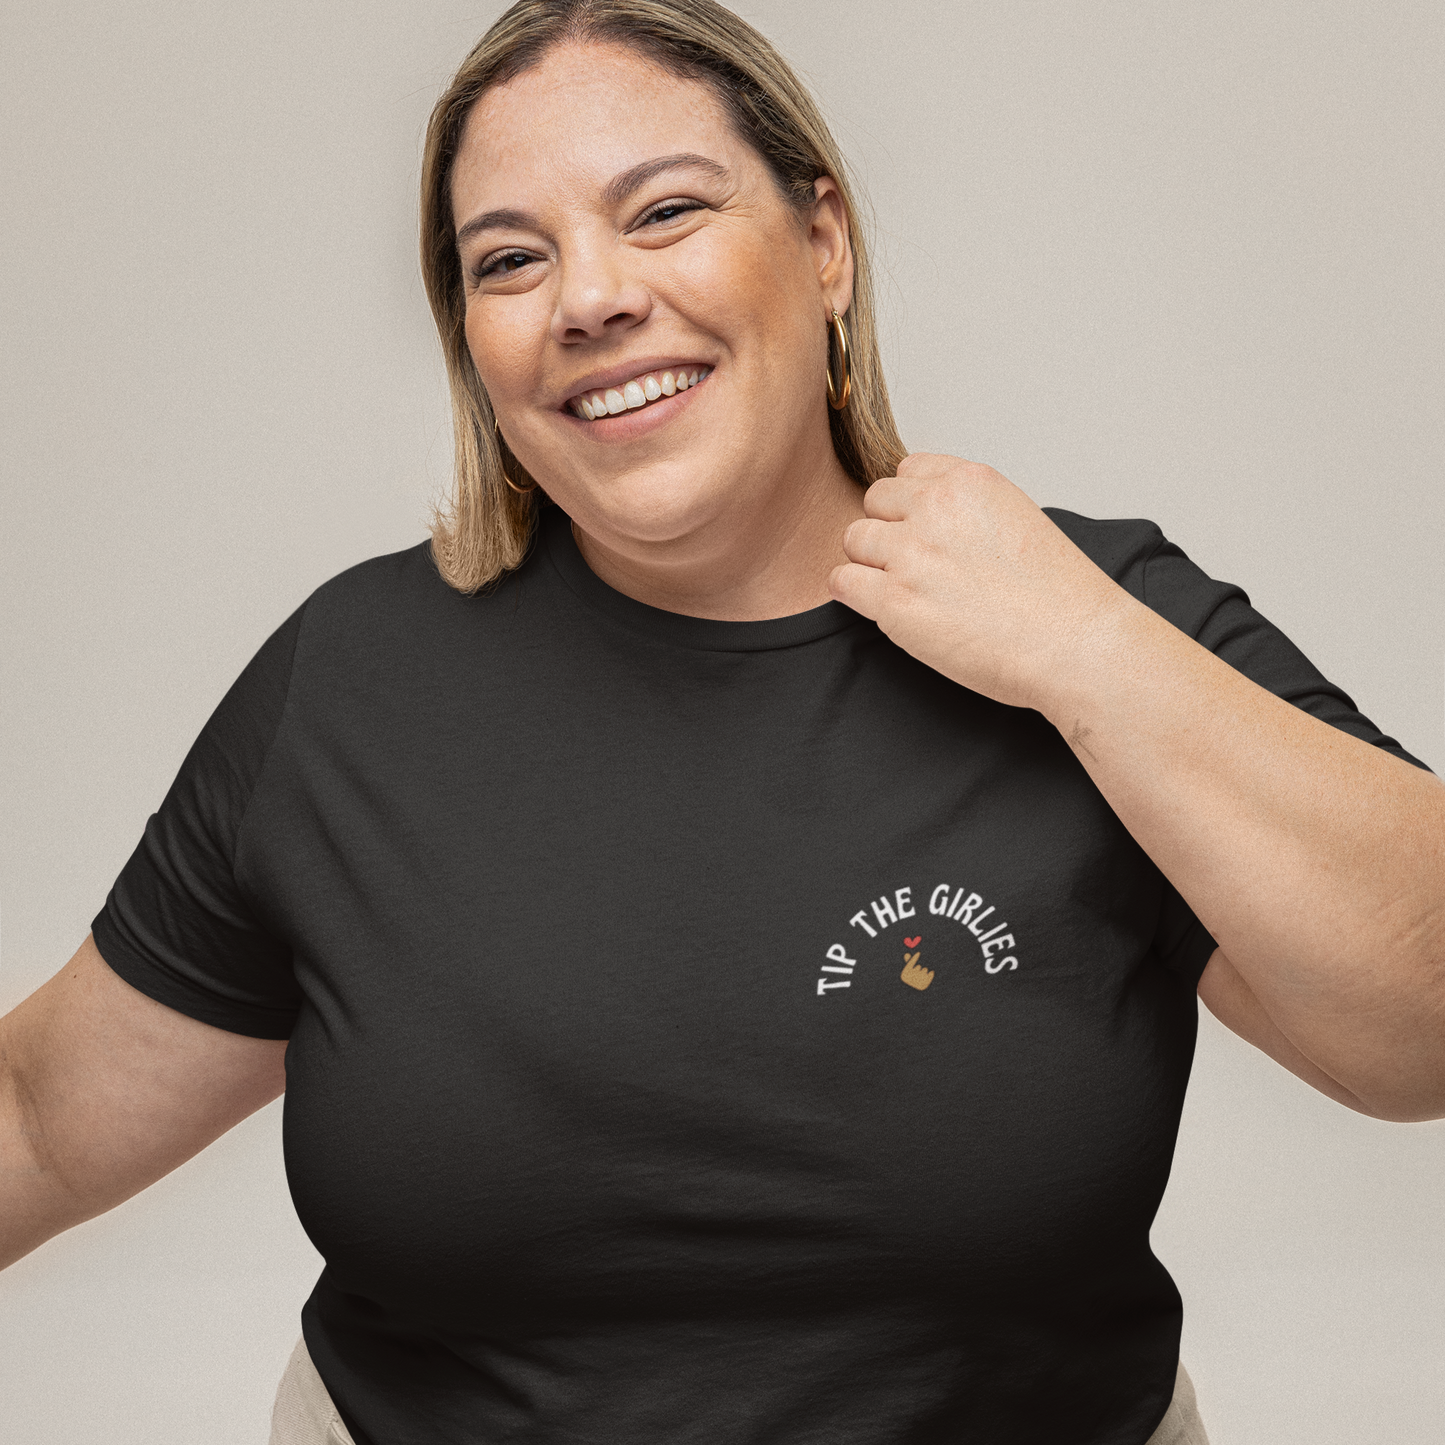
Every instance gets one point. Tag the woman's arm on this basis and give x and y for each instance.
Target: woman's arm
(1316, 860)
(1233, 1003)
(103, 1090)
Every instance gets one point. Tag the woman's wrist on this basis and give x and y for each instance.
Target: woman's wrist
(1100, 660)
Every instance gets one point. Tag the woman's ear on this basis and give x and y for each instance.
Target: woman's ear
(832, 248)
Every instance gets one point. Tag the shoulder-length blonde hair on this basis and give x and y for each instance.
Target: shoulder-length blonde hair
(485, 529)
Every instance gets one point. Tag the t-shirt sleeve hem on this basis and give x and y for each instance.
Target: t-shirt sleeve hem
(146, 976)
(1191, 954)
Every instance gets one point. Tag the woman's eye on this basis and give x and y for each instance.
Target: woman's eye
(504, 263)
(668, 211)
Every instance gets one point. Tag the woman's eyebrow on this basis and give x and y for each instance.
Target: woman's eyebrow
(625, 182)
(497, 220)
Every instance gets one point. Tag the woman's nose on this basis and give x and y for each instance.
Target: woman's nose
(598, 298)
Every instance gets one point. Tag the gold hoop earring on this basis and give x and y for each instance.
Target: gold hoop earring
(502, 461)
(838, 395)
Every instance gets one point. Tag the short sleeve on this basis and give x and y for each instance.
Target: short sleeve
(1217, 615)
(176, 925)
(1181, 942)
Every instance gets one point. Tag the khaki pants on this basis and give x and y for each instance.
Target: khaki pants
(304, 1414)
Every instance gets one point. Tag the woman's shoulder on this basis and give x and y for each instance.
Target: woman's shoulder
(394, 622)
(1147, 564)
(391, 578)
(398, 592)
(1119, 546)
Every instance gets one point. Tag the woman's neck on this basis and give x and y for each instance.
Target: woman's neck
(746, 564)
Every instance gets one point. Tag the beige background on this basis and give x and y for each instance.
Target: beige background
(1180, 261)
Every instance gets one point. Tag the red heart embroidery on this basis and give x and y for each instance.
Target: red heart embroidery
(913, 942)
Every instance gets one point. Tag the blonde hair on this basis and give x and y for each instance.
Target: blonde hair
(486, 527)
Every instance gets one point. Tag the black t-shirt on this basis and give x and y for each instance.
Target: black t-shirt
(714, 1032)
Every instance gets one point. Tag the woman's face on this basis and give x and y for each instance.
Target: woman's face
(613, 229)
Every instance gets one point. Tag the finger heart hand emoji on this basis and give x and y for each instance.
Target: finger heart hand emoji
(914, 974)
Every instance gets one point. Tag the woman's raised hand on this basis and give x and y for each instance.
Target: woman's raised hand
(961, 569)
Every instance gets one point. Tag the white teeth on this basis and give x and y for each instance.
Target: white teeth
(637, 393)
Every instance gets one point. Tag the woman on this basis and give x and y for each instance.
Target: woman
(712, 1015)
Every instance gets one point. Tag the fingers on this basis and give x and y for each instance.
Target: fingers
(866, 541)
(860, 583)
(933, 464)
(859, 587)
(922, 464)
(887, 499)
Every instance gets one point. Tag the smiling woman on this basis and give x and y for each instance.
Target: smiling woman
(732, 905)
(596, 167)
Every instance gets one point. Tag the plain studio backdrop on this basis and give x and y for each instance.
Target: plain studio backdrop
(1177, 261)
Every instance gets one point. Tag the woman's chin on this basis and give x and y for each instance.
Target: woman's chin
(654, 506)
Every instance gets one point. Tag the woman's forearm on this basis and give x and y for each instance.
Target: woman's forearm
(34, 1204)
(1316, 860)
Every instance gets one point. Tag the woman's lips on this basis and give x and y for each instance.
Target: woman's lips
(636, 394)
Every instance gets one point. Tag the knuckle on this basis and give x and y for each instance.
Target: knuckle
(918, 462)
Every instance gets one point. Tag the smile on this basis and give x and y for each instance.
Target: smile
(649, 387)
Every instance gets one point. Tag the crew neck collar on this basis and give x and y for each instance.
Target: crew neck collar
(703, 634)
